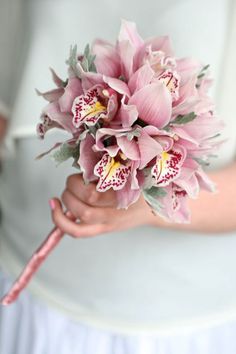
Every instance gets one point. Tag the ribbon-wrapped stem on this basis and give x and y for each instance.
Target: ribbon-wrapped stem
(32, 266)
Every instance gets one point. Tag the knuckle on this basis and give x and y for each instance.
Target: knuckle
(93, 196)
(64, 196)
(86, 215)
(71, 180)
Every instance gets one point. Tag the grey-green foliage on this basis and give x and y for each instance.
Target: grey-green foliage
(65, 152)
(201, 162)
(72, 61)
(133, 133)
(183, 119)
(88, 60)
(153, 197)
(203, 71)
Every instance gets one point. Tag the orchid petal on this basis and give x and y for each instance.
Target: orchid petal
(174, 205)
(107, 60)
(52, 110)
(162, 43)
(90, 79)
(204, 181)
(128, 148)
(56, 79)
(117, 85)
(128, 32)
(126, 53)
(52, 95)
(188, 65)
(154, 104)
(127, 196)
(172, 81)
(190, 185)
(127, 114)
(142, 77)
(72, 90)
(148, 147)
(88, 158)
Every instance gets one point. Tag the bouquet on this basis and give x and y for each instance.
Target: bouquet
(139, 121)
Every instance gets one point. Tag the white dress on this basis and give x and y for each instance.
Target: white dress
(145, 290)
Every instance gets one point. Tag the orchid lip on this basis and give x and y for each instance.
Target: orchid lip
(167, 167)
(171, 80)
(111, 172)
(88, 108)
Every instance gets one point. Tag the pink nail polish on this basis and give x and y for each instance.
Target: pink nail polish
(52, 204)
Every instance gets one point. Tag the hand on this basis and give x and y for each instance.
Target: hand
(3, 127)
(96, 211)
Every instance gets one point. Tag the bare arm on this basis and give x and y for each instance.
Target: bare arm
(212, 212)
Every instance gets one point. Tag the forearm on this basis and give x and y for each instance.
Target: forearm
(212, 213)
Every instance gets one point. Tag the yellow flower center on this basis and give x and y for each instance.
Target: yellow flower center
(96, 108)
(112, 166)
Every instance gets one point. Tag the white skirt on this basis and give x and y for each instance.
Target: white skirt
(30, 327)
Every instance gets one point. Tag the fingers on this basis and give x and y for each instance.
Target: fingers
(76, 230)
(88, 194)
(84, 212)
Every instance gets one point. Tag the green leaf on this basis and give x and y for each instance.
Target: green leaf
(88, 60)
(72, 61)
(203, 71)
(65, 152)
(153, 197)
(180, 119)
(132, 134)
(156, 192)
(122, 78)
(215, 136)
(183, 119)
(201, 162)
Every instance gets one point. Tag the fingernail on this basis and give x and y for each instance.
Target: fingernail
(52, 204)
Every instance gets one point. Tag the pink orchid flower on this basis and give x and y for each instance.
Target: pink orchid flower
(93, 105)
(120, 161)
(57, 113)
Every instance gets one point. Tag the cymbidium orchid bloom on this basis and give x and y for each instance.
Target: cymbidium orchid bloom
(120, 161)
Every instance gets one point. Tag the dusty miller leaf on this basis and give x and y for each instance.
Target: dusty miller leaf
(134, 133)
(72, 61)
(153, 197)
(201, 162)
(65, 152)
(203, 71)
(88, 60)
(183, 119)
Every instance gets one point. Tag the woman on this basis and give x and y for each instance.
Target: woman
(142, 286)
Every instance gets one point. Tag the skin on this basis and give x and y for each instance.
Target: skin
(3, 127)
